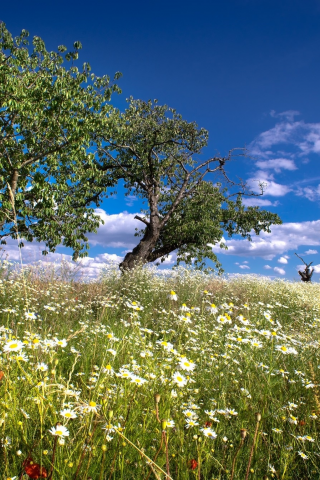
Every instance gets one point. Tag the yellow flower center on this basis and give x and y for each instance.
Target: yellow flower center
(92, 404)
(13, 345)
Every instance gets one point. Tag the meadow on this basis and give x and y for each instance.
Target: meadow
(146, 376)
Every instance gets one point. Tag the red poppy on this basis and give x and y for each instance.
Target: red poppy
(1, 375)
(193, 464)
(34, 470)
(302, 423)
(208, 424)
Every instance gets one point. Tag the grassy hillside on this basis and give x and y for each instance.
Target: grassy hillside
(184, 376)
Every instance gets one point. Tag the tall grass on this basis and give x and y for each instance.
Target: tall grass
(182, 376)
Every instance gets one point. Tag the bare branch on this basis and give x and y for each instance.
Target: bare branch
(142, 220)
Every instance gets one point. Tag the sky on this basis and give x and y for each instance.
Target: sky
(248, 71)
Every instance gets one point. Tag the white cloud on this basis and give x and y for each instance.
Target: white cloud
(244, 266)
(288, 114)
(310, 252)
(270, 187)
(305, 137)
(267, 267)
(311, 193)
(88, 267)
(282, 260)
(279, 270)
(118, 230)
(130, 199)
(285, 237)
(276, 164)
(316, 268)
(258, 202)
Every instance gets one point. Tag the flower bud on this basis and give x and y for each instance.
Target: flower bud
(157, 397)
(243, 433)
(164, 424)
(258, 417)
(110, 414)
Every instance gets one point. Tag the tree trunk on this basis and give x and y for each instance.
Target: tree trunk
(140, 253)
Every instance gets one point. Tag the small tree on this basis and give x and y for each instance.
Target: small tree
(308, 272)
(48, 115)
(184, 211)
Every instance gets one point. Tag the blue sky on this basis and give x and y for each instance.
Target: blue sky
(246, 70)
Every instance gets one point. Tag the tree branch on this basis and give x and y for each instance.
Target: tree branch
(142, 220)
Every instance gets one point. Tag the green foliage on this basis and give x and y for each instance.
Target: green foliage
(47, 120)
(187, 213)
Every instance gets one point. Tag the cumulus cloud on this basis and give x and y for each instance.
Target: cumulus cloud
(244, 266)
(310, 252)
(282, 260)
(118, 230)
(89, 267)
(285, 237)
(279, 270)
(270, 187)
(267, 267)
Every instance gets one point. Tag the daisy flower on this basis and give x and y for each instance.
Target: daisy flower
(173, 295)
(68, 413)
(191, 423)
(91, 407)
(170, 424)
(62, 343)
(13, 346)
(179, 379)
(167, 345)
(138, 380)
(231, 412)
(186, 365)
(303, 455)
(59, 431)
(190, 414)
(42, 366)
(184, 308)
(21, 357)
(208, 432)
(286, 350)
(212, 308)
(307, 437)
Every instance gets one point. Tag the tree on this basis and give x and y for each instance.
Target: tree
(308, 272)
(185, 212)
(48, 115)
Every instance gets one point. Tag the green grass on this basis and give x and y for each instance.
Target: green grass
(126, 324)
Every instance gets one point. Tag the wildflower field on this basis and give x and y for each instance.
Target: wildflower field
(147, 376)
